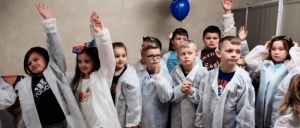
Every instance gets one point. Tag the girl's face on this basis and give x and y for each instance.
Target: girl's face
(36, 63)
(85, 63)
(120, 56)
(211, 40)
(177, 40)
(279, 52)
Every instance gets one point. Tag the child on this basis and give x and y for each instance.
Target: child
(272, 71)
(15, 109)
(226, 93)
(91, 84)
(290, 108)
(125, 89)
(8, 96)
(241, 63)
(140, 65)
(186, 78)
(281, 91)
(212, 36)
(155, 104)
(170, 59)
(45, 92)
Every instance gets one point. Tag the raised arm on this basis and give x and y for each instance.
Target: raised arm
(54, 44)
(242, 35)
(228, 21)
(105, 50)
(256, 56)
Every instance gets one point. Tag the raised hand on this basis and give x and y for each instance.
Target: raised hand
(44, 11)
(242, 33)
(295, 44)
(267, 45)
(227, 6)
(97, 24)
(157, 69)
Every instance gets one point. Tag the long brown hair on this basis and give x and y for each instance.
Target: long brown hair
(292, 98)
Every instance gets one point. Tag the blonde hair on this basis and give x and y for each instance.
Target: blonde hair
(186, 44)
(150, 46)
(292, 98)
(232, 39)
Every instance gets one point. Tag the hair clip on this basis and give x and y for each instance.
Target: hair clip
(90, 44)
(78, 49)
(287, 38)
(145, 38)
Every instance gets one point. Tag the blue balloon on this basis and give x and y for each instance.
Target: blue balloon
(180, 9)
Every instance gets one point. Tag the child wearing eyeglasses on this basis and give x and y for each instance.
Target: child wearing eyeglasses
(153, 81)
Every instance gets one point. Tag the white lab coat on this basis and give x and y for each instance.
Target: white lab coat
(266, 68)
(184, 105)
(234, 108)
(287, 121)
(7, 96)
(281, 91)
(101, 81)
(55, 76)
(128, 98)
(155, 105)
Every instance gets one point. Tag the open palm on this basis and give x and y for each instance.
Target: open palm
(97, 24)
(227, 5)
(44, 11)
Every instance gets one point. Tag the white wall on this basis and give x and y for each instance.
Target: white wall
(128, 21)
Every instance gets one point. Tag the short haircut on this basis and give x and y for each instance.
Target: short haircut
(186, 44)
(119, 45)
(232, 39)
(150, 46)
(153, 40)
(212, 29)
(39, 50)
(177, 31)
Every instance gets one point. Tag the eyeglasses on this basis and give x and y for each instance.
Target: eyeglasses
(241, 65)
(151, 57)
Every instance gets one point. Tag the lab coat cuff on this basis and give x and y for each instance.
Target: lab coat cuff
(102, 33)
(49, 25)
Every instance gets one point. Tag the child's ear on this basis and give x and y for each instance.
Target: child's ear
(143, 60)
(197, 54)
(177, 56)
(218, 53)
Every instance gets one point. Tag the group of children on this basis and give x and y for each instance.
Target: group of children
(185, 88)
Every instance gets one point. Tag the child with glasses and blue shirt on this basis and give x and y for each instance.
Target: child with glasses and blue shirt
(153, 78)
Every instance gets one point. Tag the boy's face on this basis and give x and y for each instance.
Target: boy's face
(187, 55)
(120, 56)
(152, 58)
(177, 40)
(211, 40)
(229, 53)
